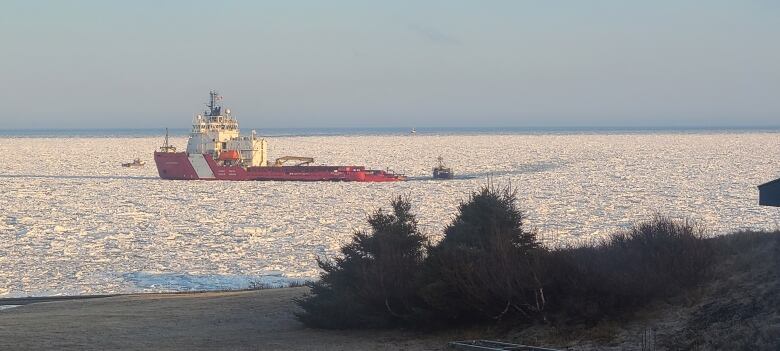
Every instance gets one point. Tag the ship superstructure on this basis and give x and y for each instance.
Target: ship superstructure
(216, 132)
(216, 150)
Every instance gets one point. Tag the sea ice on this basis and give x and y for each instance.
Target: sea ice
(74, 222)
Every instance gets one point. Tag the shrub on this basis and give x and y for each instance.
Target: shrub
(374, 283)
(655, 259)
(490, 266)
(487, 264)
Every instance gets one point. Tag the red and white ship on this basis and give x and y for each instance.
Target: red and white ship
(216, 151)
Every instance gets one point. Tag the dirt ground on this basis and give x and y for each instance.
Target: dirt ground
(245, 320)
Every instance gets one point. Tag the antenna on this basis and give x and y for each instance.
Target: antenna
(214, 108)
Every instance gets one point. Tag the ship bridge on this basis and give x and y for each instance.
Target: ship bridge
(216, 130)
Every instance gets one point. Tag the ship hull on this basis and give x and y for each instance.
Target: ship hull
(184, 166)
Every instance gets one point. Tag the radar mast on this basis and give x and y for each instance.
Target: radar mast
(214, 107)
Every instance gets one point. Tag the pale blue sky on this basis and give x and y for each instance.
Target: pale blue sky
(150, 64)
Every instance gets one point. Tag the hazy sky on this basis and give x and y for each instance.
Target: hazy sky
(546, 63)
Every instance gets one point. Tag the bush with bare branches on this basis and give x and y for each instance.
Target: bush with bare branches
(655, 259)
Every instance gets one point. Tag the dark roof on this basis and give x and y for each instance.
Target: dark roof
(770, 182)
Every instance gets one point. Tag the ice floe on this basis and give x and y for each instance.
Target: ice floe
(73, 221)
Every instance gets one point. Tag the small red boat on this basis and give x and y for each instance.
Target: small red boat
(216, 151)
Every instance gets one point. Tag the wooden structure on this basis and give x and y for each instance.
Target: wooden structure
(769, 193)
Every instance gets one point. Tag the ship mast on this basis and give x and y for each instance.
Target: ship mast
(214, 107)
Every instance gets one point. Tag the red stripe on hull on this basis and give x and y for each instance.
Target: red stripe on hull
(177, 165)
(174, 165)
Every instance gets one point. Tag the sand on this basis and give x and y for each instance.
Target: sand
(242, 320)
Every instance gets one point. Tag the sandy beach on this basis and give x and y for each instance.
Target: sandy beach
(242, 320)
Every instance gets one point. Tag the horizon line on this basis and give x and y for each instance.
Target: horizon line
(616, 127)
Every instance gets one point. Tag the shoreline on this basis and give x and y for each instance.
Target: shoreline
(21, 301)
(26, 300)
